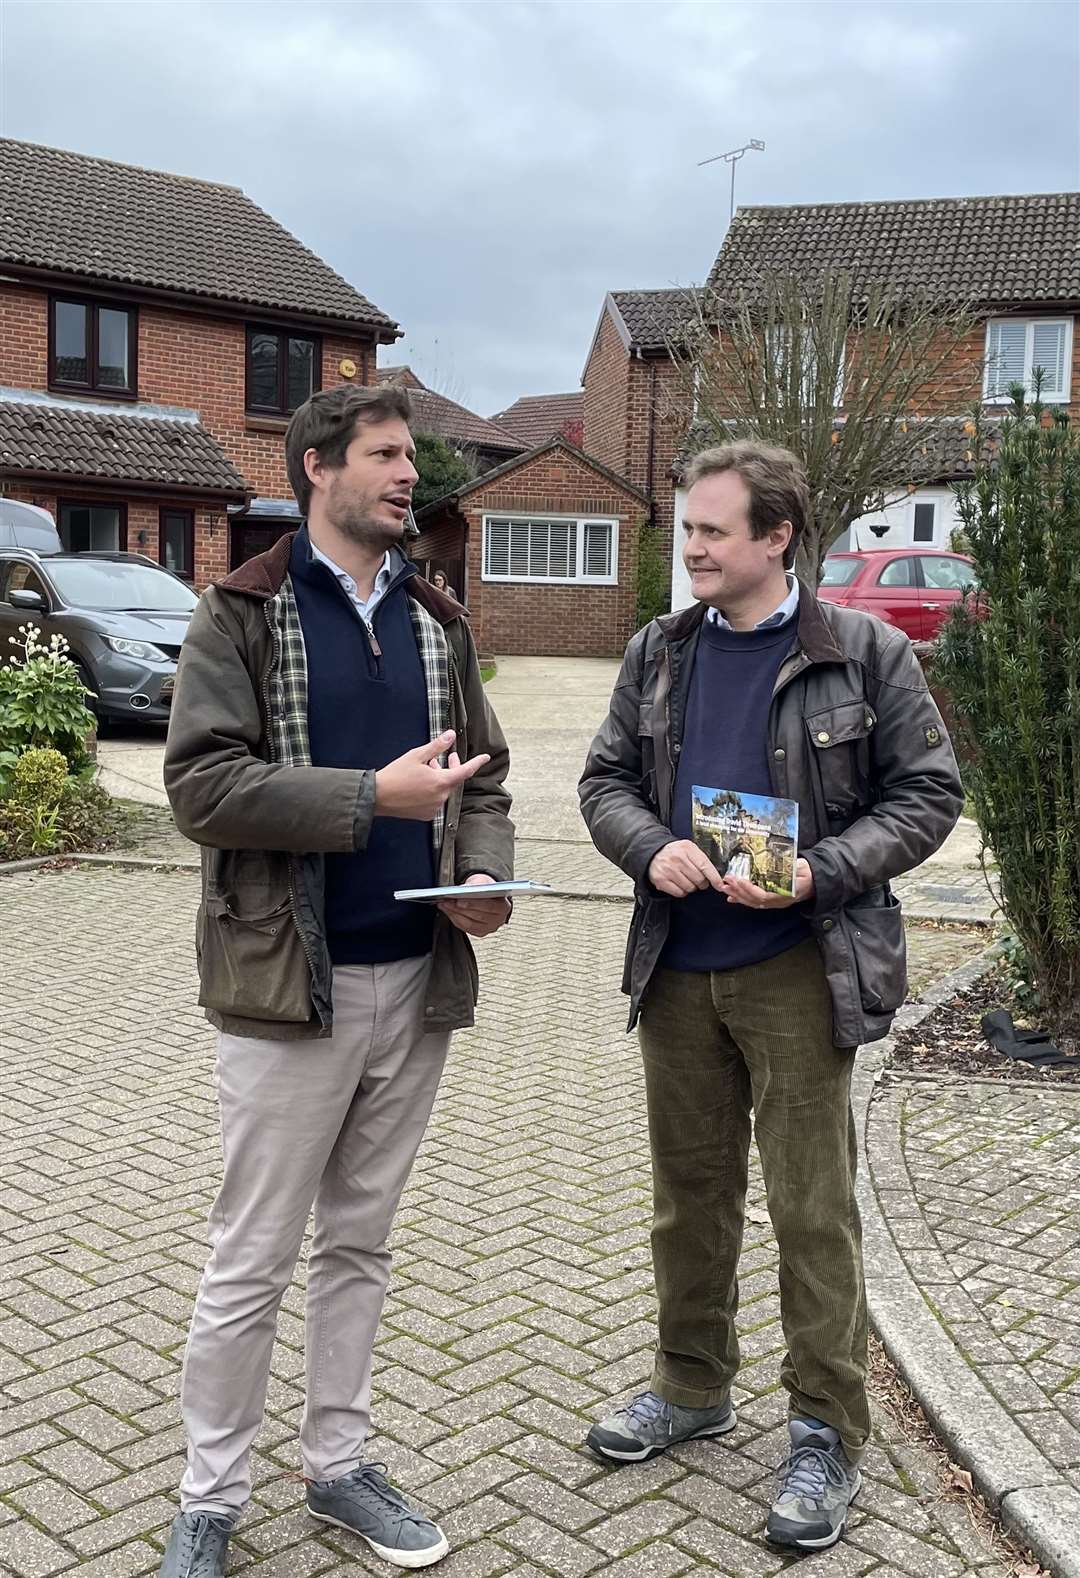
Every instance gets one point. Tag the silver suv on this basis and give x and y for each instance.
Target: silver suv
(123, 616)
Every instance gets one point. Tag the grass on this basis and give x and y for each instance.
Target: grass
(487, 671)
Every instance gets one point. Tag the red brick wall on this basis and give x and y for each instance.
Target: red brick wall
(541, 618)
(606, 388)
(190, 360)
(24, 337)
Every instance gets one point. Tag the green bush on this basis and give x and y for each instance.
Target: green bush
(42, 703)
(38, 778)
(1011, 660)
(653, 577)
(82, 817)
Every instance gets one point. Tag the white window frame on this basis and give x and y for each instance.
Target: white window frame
(579, 578)
(1002, 398)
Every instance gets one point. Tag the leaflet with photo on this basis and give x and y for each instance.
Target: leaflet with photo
(748, 835)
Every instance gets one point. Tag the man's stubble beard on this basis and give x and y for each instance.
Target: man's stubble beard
(353, 522)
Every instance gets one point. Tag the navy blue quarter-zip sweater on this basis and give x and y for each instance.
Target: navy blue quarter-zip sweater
(725, 746)
(364, 710)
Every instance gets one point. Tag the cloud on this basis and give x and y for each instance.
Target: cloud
(486, 172)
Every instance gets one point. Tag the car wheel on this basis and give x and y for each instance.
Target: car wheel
(90, 701)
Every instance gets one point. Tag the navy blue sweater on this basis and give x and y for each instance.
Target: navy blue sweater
(364, 711)
(725, 746)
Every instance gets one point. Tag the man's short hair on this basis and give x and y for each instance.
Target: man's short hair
(327, 422)
(775, 478)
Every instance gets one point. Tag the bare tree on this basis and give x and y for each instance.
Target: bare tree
(847, 377)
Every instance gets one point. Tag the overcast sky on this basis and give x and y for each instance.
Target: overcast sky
(484, 172)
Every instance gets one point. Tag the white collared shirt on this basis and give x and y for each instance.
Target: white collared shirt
(348, 585)
(777, 617)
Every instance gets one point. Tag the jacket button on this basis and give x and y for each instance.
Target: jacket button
(826, 925)
(428, 1012)
(779, 754)
(823, 738)
(676, 748)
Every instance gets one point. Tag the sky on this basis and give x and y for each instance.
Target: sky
(485, 172)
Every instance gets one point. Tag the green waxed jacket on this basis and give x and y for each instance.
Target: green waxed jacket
(854, 737)
(240, 781)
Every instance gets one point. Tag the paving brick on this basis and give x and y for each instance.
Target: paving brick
(488, 1370)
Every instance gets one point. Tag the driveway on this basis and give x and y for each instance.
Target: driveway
(550, 709)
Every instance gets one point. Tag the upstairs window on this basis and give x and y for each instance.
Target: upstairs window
(283, 370)
(1016, 346)
(92, 347)
(582, 552)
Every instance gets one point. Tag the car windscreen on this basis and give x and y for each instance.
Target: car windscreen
(839, 572)
(113, 585)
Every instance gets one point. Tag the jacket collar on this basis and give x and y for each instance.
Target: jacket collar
(815, 635)
(263, 577)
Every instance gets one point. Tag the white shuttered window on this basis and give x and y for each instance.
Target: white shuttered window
(1016, 346)
(541, 548)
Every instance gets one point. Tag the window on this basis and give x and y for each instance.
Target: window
(1016, 346)
(176, 538)
(92, 528)
(898, 572)
(282, 370)
(517, 548)
(947, 575)
(923, 528)
(839, 572)
(22, 578)
(783, 356)
(93, 347)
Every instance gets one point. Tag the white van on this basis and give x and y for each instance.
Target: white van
(27, 526)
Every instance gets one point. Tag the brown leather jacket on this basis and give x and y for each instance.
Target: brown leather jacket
(265, 824)
(854, 737)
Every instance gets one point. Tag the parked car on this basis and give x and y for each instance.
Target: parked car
(124, 618)
(912, 588)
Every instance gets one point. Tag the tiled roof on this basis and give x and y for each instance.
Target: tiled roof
(946, 453)
(988, 251)
(403, 377)
(535, 418)
(68, 440)
(518, 461)
(99, 220)
(654, 318)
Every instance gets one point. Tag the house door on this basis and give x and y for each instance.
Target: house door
(251, 537)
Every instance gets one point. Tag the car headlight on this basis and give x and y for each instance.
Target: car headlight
(135, 649)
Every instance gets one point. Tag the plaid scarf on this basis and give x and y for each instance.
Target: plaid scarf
(289, 680)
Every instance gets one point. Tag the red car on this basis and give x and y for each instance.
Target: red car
(913, 588)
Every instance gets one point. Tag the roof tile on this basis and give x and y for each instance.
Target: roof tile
(99, 220)
(69, 440)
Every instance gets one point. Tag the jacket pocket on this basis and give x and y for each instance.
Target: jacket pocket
(840, 741)
(879, 948)
(252, 964)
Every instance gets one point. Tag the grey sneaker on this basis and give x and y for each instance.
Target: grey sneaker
(198, 1545)
(365, 1502)
(817, 1485)
(647, 1426)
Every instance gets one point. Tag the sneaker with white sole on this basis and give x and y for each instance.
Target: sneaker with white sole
(647, 1426)
(818, 1483)
(366, 1503)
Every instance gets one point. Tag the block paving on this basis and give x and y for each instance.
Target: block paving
(521, 1299)
(981, 1187)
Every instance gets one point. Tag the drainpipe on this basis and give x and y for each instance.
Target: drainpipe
(651, 457)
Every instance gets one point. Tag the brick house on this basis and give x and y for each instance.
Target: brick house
(1014, 260)
(459, 427)
(548, 542)
(155, 333)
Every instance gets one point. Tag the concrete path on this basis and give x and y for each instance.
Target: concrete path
(521, 1299)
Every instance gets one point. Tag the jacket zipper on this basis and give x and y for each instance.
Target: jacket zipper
(268, 714)
(376, 649)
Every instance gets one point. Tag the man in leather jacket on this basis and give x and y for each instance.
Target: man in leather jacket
(750, 1001)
